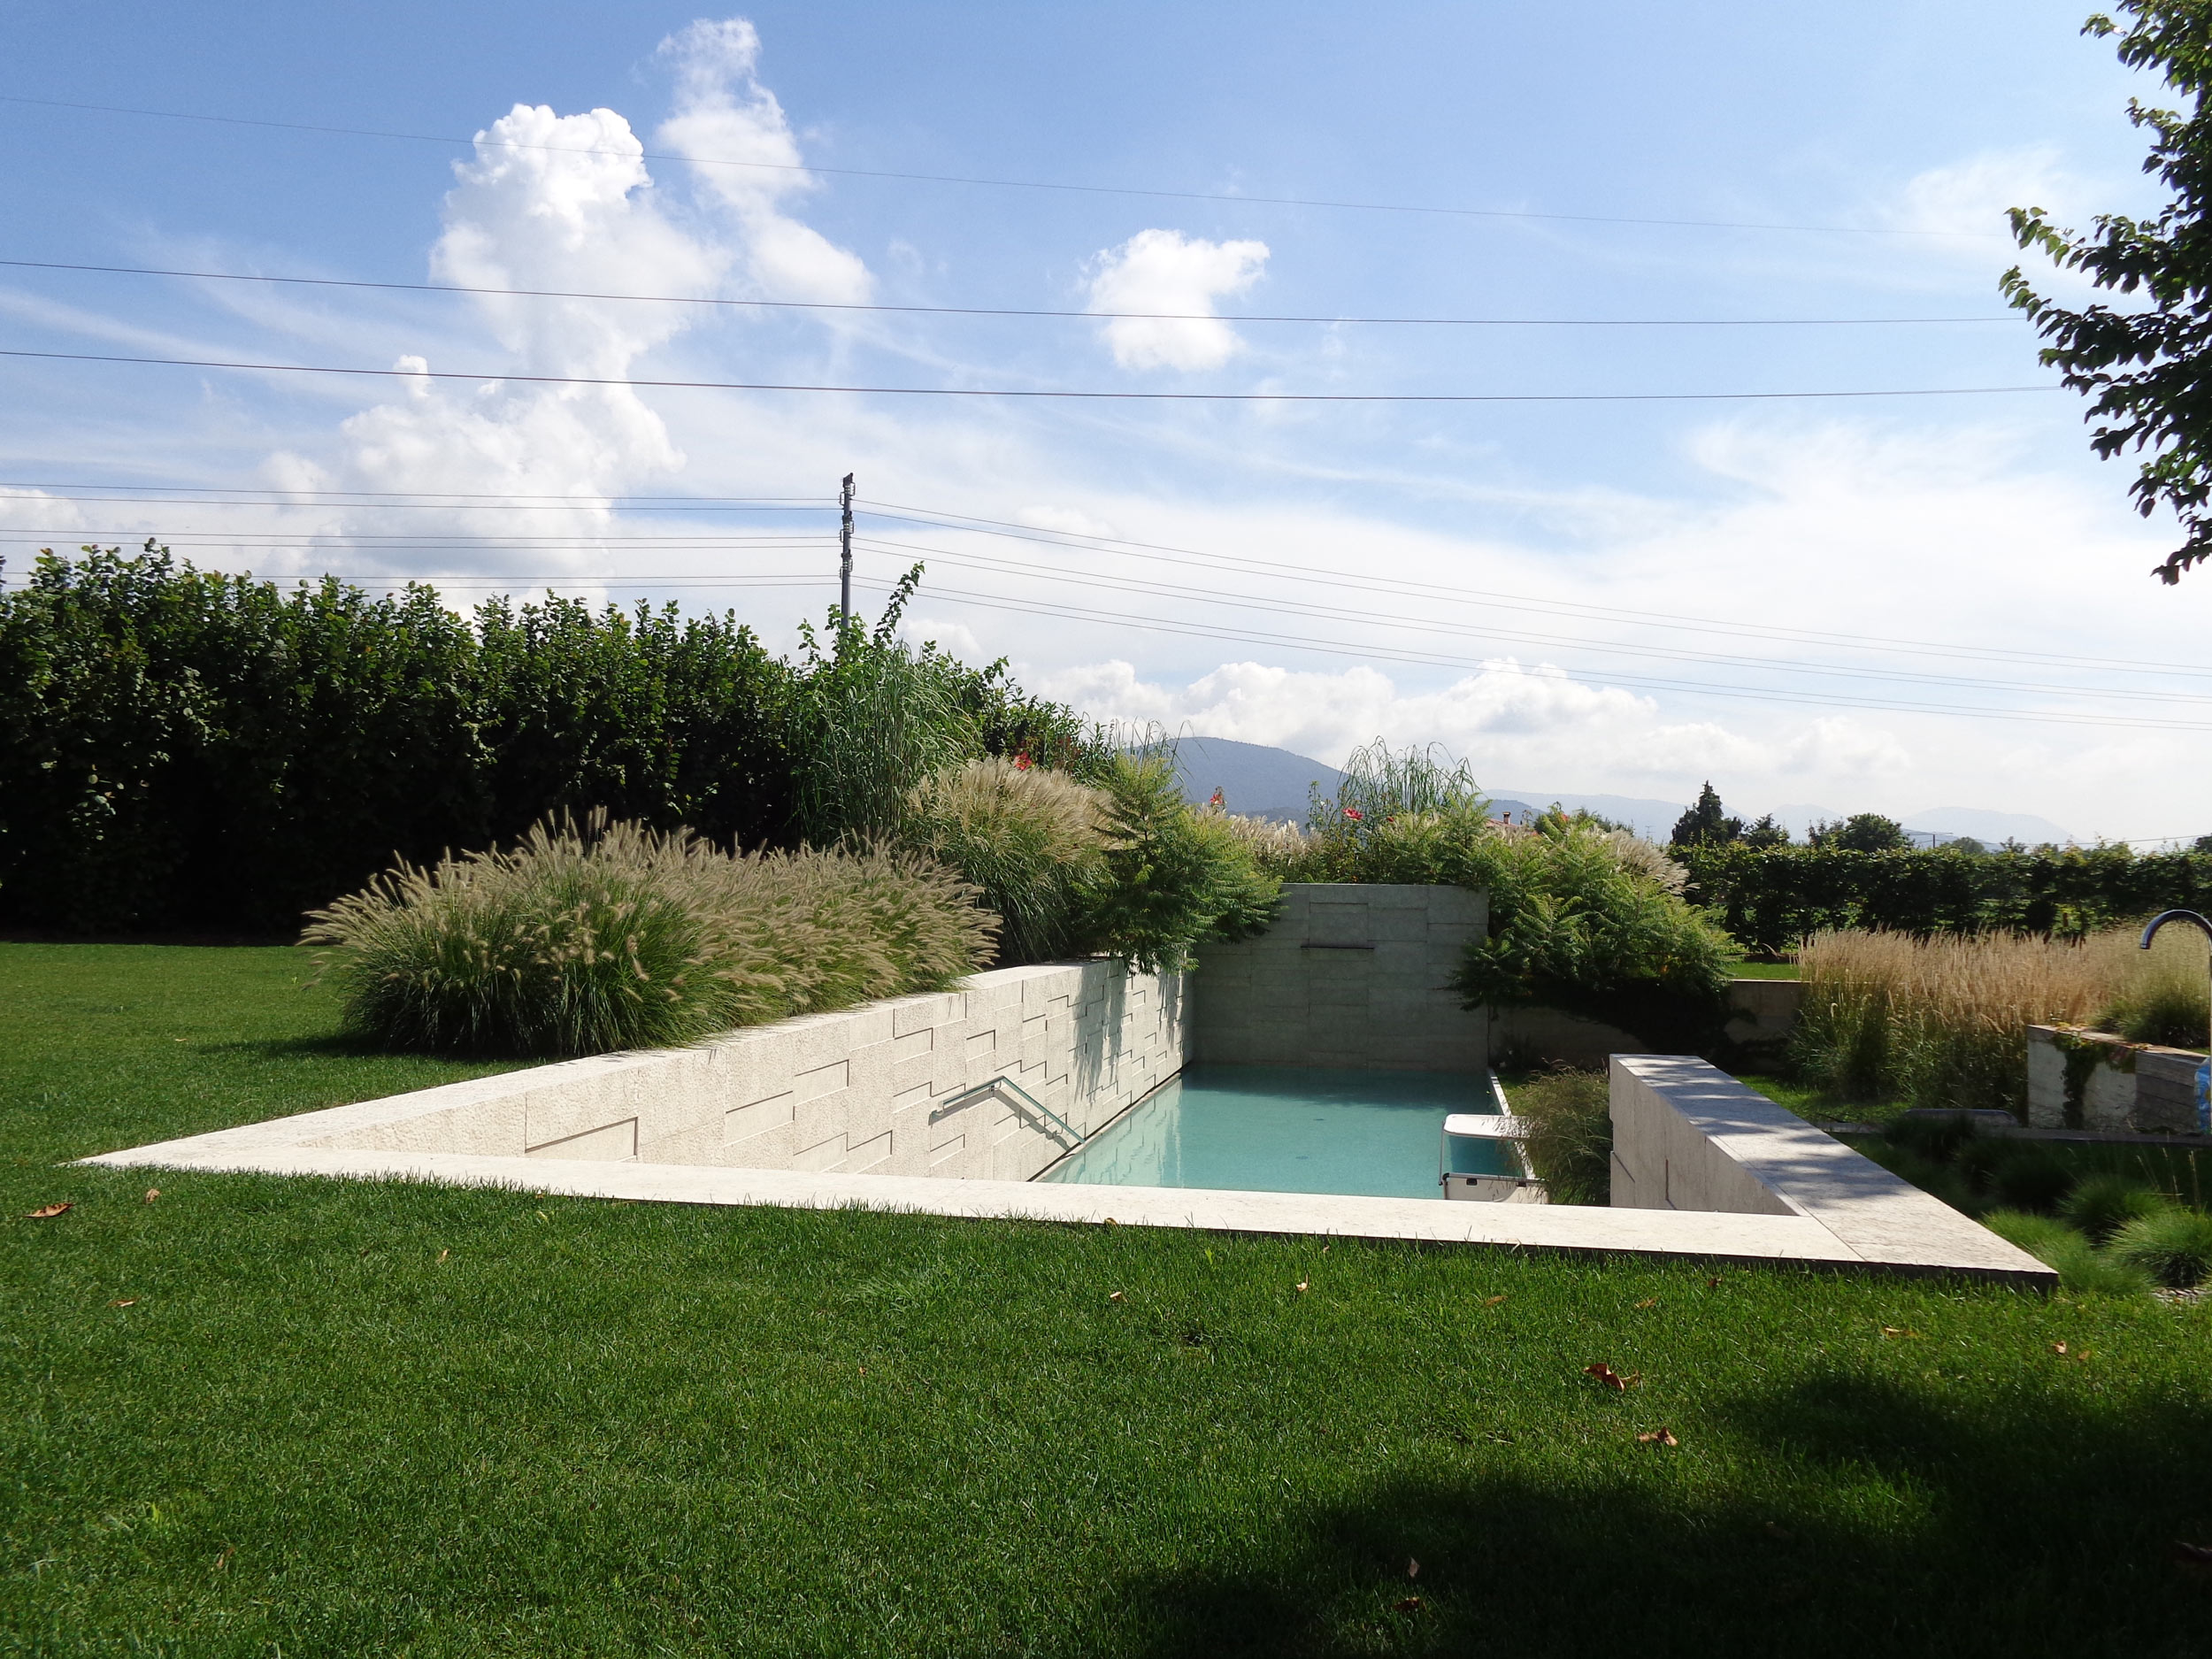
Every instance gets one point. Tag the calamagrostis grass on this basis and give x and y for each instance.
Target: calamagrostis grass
(1942, 1021)
(614, 936)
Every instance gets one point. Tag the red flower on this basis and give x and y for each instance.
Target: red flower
(1354, 814)
(1217, 800)
(1022, 763)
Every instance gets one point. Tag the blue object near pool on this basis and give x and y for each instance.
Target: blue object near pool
(1291, 1129)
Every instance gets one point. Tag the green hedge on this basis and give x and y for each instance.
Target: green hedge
(182, 749)
(1771, 897)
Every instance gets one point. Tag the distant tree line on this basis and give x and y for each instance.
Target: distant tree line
(184, 749)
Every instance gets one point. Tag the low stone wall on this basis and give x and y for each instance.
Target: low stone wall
(1688, 1136)
(1351, 976)
(892, 1088)
(2079, 1079)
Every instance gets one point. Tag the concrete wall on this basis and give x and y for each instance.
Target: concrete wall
(1351, 976)
(2117, 1085)
(877, 1088)
(1688, 1136)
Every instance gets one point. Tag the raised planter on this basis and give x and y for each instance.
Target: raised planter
(2079, 1079)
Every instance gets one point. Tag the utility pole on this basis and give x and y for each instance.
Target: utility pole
(845, 563)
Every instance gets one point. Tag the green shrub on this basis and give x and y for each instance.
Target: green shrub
(1570, 1138)
(1169, 876)
(2100, 1205)
(2174, 1247)
(619, 937)
(182, 749)
(2081, 1267)
(1033, 841)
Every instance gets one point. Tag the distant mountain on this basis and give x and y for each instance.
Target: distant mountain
(1254, 780)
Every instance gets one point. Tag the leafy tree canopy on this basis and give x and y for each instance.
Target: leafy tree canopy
(1765, 833)
(1862, 833)
(1707, 821)
(2147, 367)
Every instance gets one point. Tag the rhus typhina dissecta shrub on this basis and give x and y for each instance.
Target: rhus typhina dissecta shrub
(616, 936)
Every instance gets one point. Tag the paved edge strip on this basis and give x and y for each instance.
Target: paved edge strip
(1655, 1232)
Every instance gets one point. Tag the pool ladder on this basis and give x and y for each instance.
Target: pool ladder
(1006, 1085)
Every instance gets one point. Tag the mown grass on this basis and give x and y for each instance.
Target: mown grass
(319, 1418)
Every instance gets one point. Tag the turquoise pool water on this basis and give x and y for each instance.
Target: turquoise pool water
(1288, 1129)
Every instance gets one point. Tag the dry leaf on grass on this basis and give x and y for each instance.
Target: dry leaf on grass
(1302, 1285)
(1658, 1437)
(1413, 1569)
(124, 1302)
(1648, 1301)
(47, 1212)
(1408, 1604)
(152, 1193)
(1114, 1296)
(441, 1256)
(1612, 1379)
(1492, 1301)
(1712, 1284)
(1894, 1331)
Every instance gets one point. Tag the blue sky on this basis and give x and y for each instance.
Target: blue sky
(1900, 603)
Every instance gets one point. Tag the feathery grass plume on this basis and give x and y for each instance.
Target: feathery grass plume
(1570, 1138)
(2174, 1247)
(1942, 1021)
(1276, 848)
(1030, 838)
(581, 940)
(2100, 1205)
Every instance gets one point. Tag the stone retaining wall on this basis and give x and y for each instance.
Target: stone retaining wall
(1351, 975)
(2079, 1079)
(892, 1088)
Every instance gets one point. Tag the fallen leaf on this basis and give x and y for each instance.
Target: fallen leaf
(1115, 1296)
(1408, 1604)
(1413, 1569)
(47, 1212)
(1302, 1285)
(1660, 1436)
(1648, 1301)
(441, 1256)
(1492, 1301)
(1109, 1222)
(2192, 1554)
(223, 1560)
(1612, 1379)
(543, 1217)
(1712, 1284)
(1898, 1331)
(2059, 1348)
(124, 1302)
(1325, 1249)
(152, 1193)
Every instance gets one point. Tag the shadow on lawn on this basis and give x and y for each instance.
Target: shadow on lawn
(1882, 1523)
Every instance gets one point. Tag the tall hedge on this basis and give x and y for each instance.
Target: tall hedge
(1771, 897)
(184, 749)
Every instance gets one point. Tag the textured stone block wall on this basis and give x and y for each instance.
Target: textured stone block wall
(2116, 1084)
(884, 1088)
(1350, 976)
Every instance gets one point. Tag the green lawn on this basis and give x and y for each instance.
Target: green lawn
(259, 1416)
(1763, 970)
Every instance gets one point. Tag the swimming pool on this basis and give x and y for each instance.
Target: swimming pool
(1288, 1129)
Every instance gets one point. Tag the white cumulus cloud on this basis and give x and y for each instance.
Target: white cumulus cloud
(724, 115)
(1163, 271)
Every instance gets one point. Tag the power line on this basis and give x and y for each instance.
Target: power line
(641, 154)
(1662, 653)
(1161, 553)
(967, 391)
(426, 497)
(1014, 311)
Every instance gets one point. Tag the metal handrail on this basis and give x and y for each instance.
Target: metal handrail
(969, 1096)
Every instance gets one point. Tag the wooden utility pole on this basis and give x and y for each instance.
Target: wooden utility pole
(845, 562)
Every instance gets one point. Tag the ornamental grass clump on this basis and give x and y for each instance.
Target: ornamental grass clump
(1569, 1141)
(2173, 1246)
(1942, 1021)
(614, 936)
(1032, 839)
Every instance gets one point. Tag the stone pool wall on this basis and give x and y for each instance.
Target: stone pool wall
(1350, 976)
(895, 1087)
